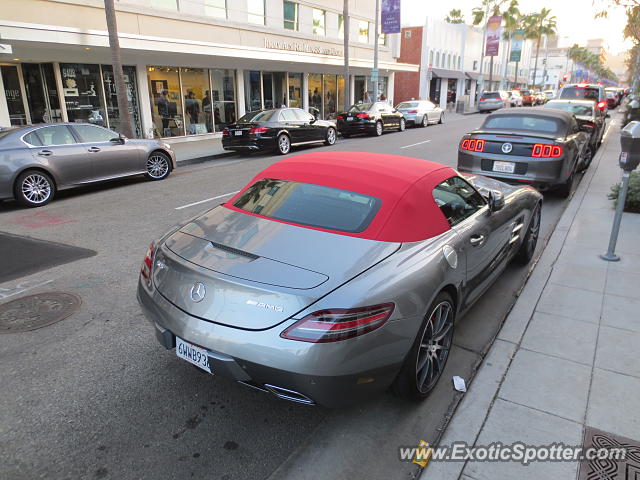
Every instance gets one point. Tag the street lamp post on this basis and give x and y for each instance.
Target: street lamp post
(375, 52)
(345, 29)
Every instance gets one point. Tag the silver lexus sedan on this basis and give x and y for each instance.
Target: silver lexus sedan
(421, 113)
(38, 160)
(333, 276)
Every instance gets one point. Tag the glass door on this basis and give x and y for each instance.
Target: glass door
(267, 90)
(253, 90)
(359, 85)
(13, 93)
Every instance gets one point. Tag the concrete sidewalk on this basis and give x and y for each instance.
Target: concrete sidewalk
(566, 359)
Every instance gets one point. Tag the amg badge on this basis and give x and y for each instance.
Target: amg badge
(266, 306)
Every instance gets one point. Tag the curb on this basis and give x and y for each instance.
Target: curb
(470, 414)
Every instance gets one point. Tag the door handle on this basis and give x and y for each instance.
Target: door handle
(476, 240)
(94, 149)
(45, 153)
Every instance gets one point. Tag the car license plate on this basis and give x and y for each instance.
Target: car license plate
(237, 133)
(350, 119)
(192, 354)
(504, 167)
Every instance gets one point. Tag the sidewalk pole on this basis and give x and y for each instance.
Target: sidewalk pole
(610, 256)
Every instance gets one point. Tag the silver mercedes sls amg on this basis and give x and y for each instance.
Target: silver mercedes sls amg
(332, 276)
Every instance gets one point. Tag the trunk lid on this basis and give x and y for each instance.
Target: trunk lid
(257, 272)
(521, 142)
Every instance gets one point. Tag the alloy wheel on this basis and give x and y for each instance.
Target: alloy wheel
(534, 231)
(425, 121)
(284, 144)
(403, 125)
(36, 188)
(331, 136)
(157, 166)
(434, 347)
(378, 128)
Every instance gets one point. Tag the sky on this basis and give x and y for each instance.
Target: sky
(575, 18)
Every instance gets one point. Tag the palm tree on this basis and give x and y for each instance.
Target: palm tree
(512, 21)
(481, 15)
(537, 25)
(455, 16)
(116, 60)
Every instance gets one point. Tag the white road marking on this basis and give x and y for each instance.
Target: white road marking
(414, 144)
(206, 200)
(19, 288)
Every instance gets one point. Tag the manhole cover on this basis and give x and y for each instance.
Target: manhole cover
(36, 311)
(609, 468)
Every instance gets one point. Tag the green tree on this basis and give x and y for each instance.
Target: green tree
(455, 16)
(535, 26)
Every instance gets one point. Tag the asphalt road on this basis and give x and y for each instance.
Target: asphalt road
(95, 396)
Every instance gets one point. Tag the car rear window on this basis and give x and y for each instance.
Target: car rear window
(575, 109)
(311, 205)
(585, 93)
(361, 107)
(522, 122)
(252, 117)
(407, 105)
(491, 95)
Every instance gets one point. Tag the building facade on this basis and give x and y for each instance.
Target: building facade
(191, 66)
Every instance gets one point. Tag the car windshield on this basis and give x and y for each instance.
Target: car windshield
(580, 92)
(522, 122)
(573, 108)
(407, 105)
(526, 92)
(360, 107)
(260, 116)
(490, 95)
(311, 205)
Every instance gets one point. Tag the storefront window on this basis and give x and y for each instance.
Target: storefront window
(111, 98)
(290, 11)
(267, 90)
(360, 85)
(363, 31)
(13, 94)
(295, 90)
(319, 21)
(315, 95)
(382, 88)
(252, 90)
(166, 101)
(195, 86)
(382, 39)
(215, 8)
(340, 26)
(330, 96)
(82, 91)
(255, 12)
(42, 93)
(222, 105)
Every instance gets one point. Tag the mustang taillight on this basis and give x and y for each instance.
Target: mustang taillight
(147, 265)
(543, 150)
(473, 144)
(338, 324)
(363, 115)
(258, 130)
(225, 132)
(601, 105)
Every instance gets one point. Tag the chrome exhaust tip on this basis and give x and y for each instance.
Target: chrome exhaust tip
(290, 395)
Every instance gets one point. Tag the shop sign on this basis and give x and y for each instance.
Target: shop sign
(517, 39)
(493, 33)
(390, 16)
(302, 47)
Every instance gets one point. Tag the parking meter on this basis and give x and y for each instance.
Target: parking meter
(628, 160)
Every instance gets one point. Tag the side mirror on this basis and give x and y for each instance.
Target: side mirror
(313, 120)
(496, 200)
(120, 139)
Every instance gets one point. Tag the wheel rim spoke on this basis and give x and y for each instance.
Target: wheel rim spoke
(157, 166)
(36, 188)
(434, 347)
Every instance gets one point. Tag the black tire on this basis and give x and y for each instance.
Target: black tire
(34, 188)
(530, 240)
(408, 383)
(331, 136)
(564, 189)
(158, 166)
(588, 156)
(425, 121)
(441, 119)
(283, 144)
(403, 125)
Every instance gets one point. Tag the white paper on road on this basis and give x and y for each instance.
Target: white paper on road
(459, 384)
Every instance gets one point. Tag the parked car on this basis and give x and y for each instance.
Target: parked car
(515, 99)
(585, 91)
(421, 112)
(540, 146)
(540, 98)
(372, 118)
(277, 129)
(37, 161)
(528, 98)
(298, 286)
(612, 100)
(587, 114)
(491, 101)
(549, 94)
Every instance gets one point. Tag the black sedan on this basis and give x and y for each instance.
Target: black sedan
(278, 129)
(372, 118)
(587, 113)
(541, 147)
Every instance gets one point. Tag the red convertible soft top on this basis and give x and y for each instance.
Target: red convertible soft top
(404, 185)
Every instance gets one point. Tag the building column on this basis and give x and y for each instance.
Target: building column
(305, 92)
(472, 93)
(146, 117)
(459, 89)
(390, 88)
(240, 92)
(444, 85)
(352, 94)
(63, 101)
(5, 120)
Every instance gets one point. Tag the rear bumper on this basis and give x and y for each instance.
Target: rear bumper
(262, 359)
(357, 127)
(541, 172)
(484, 106)
(249, 143)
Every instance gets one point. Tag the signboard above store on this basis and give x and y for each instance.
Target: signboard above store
(302, 47)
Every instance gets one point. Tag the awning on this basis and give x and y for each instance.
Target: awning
(443, 73)
(473, 75)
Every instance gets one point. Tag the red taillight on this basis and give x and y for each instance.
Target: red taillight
(473, 145)
(147, 265)
(225, 132)
(412, 111)
(601, 105)
(338, 323)
(543, 150)
(258, 130)
(482, 99)
(340, 117)
(363, 115)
